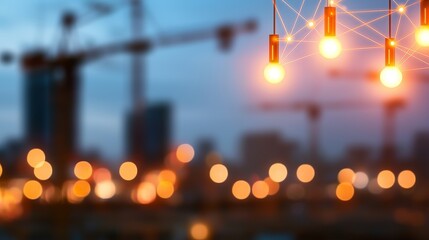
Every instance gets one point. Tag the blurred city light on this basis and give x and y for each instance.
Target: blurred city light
(167, 175)
(43, 172)
(346, 175)
(185, 153)
(101, 175)
(273, 187)
(386, 179)
(199, 231)
(278, 172)
(165, 189)
(218, 173)
(83, 170)
(360, 180)
(260, 189)
(241, 190)
(305, 173)
(345, 191)
(128, 171)
(146, 193)
(105, 189)
(81, 188)
(36, 157)
(32, 190)
(407, 179)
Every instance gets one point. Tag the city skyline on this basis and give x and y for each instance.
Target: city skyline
(208, 102)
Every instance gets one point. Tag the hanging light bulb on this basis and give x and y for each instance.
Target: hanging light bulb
(330, 47)
(422, 32)
(274, 72)
(390, 76)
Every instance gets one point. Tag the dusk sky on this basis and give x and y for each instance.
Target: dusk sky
(211, 91)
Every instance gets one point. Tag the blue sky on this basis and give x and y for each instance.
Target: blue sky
(210, 90)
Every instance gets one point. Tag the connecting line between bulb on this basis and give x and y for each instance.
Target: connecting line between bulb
(274, 16)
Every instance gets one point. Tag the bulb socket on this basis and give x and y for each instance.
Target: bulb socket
(274, 43)
(390, 51)
(424, 11)
(330, 21)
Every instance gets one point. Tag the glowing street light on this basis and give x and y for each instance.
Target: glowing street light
(422, 32)
(330, 47)
(274, 72)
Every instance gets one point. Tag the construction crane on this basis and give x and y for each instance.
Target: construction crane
(373, 76)
(64, 69)
(391, 107)
(315, 110)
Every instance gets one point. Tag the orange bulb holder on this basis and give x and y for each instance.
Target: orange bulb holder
(330, 21)
(390, 51)
(424, 8)
(274, 48)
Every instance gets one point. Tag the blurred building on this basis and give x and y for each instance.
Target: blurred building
(51, 90)
(38, 103)
(421, 152)
(155, 126)
(260, 150)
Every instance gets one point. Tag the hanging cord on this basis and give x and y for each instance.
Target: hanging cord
(274, 15)
(390, 18)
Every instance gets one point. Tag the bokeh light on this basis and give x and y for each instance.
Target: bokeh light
(386, 179)
(360, 180)
(32, 190)
(43, 172)
(218, 173)
(199, 231)
(1, 170)
(260, 189)
(128, 171)
(83, 170)
(165, 189)
(407, 179)
(36, 157)
(346, 175)
(305, 173)
(273, 187)
(81, 188)
(345, 191)
(105, 189)
(274, 73)
(185, 153)
(278, 172)
(102, 174)
(146, 193)
(167, 175)
(241, 190)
